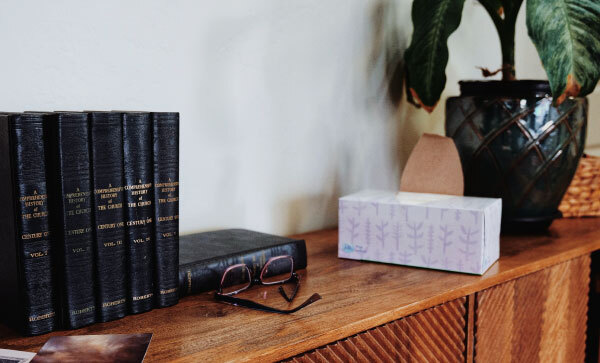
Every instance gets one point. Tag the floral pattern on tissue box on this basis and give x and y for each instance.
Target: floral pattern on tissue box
(424, 230)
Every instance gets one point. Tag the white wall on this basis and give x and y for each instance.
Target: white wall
(283, 103)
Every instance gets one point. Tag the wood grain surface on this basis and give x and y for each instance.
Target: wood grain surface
(433, 335)
(540, 317)
(357, 296)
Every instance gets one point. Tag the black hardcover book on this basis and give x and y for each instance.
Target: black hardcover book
(26, 280)
(139, 207)
(166, 206)
(70, 197)
(109, 223)
(203, 257)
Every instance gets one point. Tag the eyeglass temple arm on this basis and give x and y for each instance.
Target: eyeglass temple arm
(254, 305)
(296, 279)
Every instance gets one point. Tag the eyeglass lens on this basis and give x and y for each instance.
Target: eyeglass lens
(235, 279)
(277, 270)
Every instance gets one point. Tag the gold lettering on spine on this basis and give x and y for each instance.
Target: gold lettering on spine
(168, 291)
(140, 222)
(27, 236)
(111, 225)
(168, 192)
(31, 235)
(31, 205)
(189, 281)
(33, 197)
(75, 200)
(89, 309)
(141, 191)
(80, 249)
(49, 315)
(113, 244)
(74, 232)
(38, 254)
(113, 303)
(168, 184)
(107, 195)
(77, 194)
(143, 297)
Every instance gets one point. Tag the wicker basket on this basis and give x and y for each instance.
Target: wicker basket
(582, 199)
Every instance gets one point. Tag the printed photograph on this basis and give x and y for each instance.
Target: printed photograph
(15, 356)
(95, 348)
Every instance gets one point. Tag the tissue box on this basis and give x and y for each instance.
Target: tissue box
(435, 231)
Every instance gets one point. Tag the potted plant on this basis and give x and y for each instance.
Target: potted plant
(518, 140)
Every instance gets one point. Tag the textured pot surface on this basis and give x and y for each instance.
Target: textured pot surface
(515, 145)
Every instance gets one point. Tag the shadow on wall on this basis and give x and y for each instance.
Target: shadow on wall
(391, 28)
(304, 212)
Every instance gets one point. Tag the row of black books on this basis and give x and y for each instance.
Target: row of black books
(89, 216)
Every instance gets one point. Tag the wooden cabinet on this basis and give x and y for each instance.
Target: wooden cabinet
(531, 305)
(433, 335)
(540, 317)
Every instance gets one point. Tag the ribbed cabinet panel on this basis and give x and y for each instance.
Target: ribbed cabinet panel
(433, 335)
(540, 317)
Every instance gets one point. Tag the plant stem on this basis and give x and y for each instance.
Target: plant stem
(507, 44)
(504, 15)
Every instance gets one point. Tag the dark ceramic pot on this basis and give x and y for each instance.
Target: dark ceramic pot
(515, 145)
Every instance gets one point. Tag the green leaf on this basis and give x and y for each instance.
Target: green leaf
(566, 34)
(427, 56)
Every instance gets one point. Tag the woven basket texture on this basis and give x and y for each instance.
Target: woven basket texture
(582, 198)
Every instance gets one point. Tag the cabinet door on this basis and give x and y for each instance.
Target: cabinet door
(433, 335)
(539, 317)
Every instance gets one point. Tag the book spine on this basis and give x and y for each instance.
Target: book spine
(139, 206)
(71, 220)
(26, 280)
(109, 224)
(166, 206)
(205, 275)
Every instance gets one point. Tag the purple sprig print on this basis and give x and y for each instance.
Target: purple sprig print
(467, 240)
(359, 208)
(415, 235)
(428, 261)
(403, 209)
(392, 211)
(444, 237)
(475, 215)
(442, 212)
(353, 229)
(342, 207)
(404, 257)
(376, 206)
(368, 231)
(446, 263)
(430, 240)
(381, 233)
(457, 215)
(397, 234)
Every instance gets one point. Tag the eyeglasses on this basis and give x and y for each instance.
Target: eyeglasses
(277, 270)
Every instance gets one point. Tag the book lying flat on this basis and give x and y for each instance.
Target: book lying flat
(203, 257)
